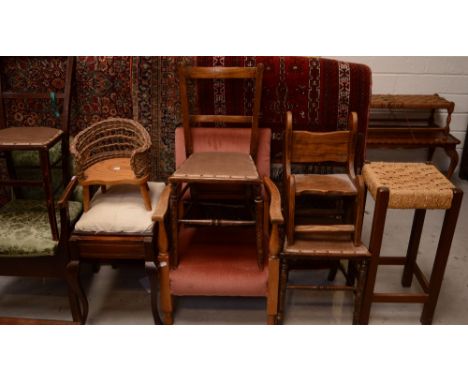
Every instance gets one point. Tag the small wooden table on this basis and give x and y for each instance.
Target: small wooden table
(217, 169)
(416, 186)
(39, 139)
(405, 127)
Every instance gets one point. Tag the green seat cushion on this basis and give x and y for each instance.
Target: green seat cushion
(27, 158)
(25, 229)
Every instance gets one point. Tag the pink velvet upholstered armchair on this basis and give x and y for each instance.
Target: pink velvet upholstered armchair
(222, 261)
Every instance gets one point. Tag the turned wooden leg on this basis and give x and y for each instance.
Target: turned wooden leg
(145, 194)
(413, 246)
(85, 198)
(440, 262)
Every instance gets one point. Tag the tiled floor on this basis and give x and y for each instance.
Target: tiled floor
(118, 296)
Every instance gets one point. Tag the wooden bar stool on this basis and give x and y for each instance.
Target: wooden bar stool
(416, 186)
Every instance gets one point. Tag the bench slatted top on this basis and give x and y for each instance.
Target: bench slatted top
(410, 101)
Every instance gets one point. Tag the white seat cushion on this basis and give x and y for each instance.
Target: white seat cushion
(120, 210)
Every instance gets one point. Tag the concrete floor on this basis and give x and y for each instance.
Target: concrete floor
(119, 296)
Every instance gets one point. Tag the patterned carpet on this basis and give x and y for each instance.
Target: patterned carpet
(319, 92)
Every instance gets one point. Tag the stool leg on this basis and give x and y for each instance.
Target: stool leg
(413, 246)
(440, 262)
(378, 225)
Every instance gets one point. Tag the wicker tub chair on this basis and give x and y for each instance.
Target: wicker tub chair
(110, 152)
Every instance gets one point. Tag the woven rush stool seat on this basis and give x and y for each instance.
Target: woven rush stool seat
(417, 186)
(411, 185)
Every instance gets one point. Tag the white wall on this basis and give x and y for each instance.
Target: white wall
(447, 76)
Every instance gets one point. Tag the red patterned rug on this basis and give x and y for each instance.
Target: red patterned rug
(319, 92)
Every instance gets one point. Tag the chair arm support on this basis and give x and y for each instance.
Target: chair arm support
(276, 217)
(163, 205)
(62, 203)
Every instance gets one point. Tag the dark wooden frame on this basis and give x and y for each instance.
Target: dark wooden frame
(337, 147)
(43, 148)
(111, 248)
(50, 266)
(431, 287)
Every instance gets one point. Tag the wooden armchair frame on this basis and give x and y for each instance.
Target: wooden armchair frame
(51, 266)
(273, 219)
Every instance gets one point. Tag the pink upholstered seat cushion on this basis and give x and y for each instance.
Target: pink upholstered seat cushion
(218, 261)
(206, 139)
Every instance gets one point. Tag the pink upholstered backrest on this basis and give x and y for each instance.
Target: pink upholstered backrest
(225, 139)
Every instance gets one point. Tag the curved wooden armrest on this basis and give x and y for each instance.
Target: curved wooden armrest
(68, 192)
(275, 201)
(163, 204)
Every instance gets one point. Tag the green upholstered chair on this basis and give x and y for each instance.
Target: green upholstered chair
(27, 248)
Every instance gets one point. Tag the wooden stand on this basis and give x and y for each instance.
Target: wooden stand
(386, 197)
(405, 127)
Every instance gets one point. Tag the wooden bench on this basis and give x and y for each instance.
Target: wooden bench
(408, 121)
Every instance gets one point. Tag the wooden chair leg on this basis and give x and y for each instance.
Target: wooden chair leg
(272, 319)
(351, 273)
(282, 292)
(145, 194)
(165, 293)
(79, 297)
(103, 189)
(152, 272)
(440, 262)
(359, 291)
(85, 198)
(413, 246)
